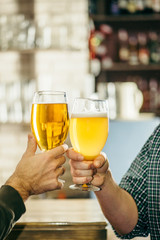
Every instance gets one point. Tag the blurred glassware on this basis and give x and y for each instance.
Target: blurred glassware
(23, 24)
(43, 34)
(14, 105)
(3, 104)
(28, 88)
(31, 35)
(107, 90)
(129, 100)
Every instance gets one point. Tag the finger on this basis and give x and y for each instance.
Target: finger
(59, 161)
(98, 179)
(84, 165)
(81, 173)
(59, 171)
(31, 145)
(82, 180)
(59, 185)
(57, 151)
(74, 155)
(104, 168)
(100, 160)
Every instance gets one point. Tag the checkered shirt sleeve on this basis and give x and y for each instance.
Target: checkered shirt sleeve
(135, 182)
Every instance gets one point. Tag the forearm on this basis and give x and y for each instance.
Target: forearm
(118, 206)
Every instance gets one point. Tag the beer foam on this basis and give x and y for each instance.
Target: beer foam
(90, 115)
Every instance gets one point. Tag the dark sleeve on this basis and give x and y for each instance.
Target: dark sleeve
(11, 209)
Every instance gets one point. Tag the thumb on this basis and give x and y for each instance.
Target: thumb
(31, 145)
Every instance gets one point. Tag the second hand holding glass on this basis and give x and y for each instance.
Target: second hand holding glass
(50, 119)
(89, 126)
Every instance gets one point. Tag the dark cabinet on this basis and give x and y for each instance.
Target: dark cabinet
(127, 45)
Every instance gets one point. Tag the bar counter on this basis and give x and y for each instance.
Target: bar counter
(68, 219)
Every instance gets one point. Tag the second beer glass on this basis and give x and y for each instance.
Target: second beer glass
(89, 126)
(49, 119)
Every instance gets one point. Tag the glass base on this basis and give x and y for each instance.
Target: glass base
(84, 187)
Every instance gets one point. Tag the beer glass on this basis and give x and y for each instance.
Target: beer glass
(89, 126)
(49, 119)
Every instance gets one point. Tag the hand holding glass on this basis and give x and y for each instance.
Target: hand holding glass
(89, 126)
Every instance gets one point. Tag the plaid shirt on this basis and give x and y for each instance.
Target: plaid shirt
(142, 181)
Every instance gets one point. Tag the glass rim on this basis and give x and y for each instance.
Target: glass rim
(91, 99)
(49, 96)
(50, 92)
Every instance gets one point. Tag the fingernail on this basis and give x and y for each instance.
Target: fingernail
(62, 182)
(104, 155)
(65, 147)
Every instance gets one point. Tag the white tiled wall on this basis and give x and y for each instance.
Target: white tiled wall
(13, 142)
(65, 67)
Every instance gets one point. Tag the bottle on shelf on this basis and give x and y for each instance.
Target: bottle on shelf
(156, 6)
(132, 6)
(143, 51)
(114, 8)
(140, 6)
(154, 47)
(91, 39)
(123, 6)
(133, 49)
(137, 6)
(148, 6)
(123, 51)
(143, 85)
(153, 89)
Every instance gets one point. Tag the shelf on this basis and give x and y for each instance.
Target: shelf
(15, 125)
(124, 18)
(122, 67)
(33, 51)
(130, 22)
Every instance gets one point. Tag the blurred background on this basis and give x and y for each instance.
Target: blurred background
(88, 48)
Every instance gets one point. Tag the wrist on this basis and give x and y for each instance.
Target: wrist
(18, 185)
(107, 180)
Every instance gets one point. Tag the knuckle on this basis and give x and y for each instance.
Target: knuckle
(76, 172)
(57, 184)
(75, 180)
(70, 163)
(84, 180)
(54, 165)
(101, 181)
(62, 170)
(63, 159)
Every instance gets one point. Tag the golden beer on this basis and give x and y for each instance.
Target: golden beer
(50, 124)
(88, 133)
